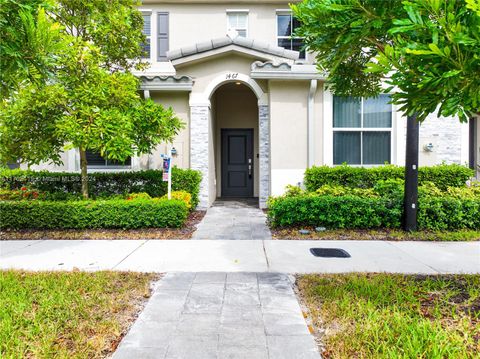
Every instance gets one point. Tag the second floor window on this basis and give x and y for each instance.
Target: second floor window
(147, 31)
(238, 21)
(362, 130)
(286, 26)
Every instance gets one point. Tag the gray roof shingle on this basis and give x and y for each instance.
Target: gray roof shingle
(238, 41)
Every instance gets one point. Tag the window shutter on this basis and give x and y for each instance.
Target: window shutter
(162, 34)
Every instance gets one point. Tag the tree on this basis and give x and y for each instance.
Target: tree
(428, 51)
(91, 101)
(28, 41)
(114, 26)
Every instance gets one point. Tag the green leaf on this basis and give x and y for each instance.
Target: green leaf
(435, 49)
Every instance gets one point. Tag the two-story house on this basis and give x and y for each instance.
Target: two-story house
(256, 108)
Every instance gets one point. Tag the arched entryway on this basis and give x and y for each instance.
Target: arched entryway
(234, 116)
(205, 138)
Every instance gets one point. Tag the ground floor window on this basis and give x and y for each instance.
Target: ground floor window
(96, 160)
(362, 130)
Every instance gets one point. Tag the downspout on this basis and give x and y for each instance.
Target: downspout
(310, 123)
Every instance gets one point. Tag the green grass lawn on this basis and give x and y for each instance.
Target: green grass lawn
(67, 315)
(394, 316)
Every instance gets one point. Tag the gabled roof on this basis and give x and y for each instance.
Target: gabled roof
(202, 48)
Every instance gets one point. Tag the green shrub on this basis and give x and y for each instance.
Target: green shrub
(393, 187)
(335, 211)
(292, 191)
(443, 176)
(22, 194)
(465, 192)
(137, 196)
(448, 213)
(101, 185)
(92, 214)
(343, 191)
(435, 212)
(181, 196)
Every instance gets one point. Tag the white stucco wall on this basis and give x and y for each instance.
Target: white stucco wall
(65, 158)
(190, 23)
(288, 120)
(179, 102)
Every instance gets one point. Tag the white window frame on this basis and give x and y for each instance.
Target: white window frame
(238, 12)
(363, 129)
(107, 167)
(149, 37)
(277, 37)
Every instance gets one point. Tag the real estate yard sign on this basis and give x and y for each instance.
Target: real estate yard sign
(167, 174)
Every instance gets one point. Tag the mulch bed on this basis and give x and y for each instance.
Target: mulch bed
(94, 234)
(378, 234)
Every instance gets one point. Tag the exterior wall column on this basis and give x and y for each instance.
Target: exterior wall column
(264, 151)
(199, 117)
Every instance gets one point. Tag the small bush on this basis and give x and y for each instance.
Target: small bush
(63, 185)
(22, 194)
(137, 196)
(181, 196)
(343, 191)
(443, 176)
(393, 187)
(335, 212)
(92, 214)
(448, 213)
(435, 212)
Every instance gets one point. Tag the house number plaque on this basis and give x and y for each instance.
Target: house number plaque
(232, 75)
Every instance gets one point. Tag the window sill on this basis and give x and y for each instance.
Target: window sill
(365, 166)
(109, 169)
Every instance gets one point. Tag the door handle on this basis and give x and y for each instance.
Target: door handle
(250, 168)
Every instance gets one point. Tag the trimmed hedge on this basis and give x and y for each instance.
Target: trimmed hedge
(92, 214)
(434, 212)
(335, 212)
(443, 176)
(103, 184)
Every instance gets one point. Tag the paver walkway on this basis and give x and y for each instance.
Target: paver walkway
(238, 220)
(220, 315)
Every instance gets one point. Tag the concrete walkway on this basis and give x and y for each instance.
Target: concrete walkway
(241, 256)
(220, 315)
(237, 220)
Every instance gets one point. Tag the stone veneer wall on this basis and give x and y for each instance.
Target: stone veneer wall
(446, 136)
(199, 149)
(264, 139)
(199, 141)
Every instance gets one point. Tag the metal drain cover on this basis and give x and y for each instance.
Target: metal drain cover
(329, 253)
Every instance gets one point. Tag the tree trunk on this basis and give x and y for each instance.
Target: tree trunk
(410, 204)
(84, 175)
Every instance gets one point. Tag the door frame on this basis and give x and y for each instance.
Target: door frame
(251, 134)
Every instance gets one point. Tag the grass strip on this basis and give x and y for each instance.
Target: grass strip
(394, 316)
(67, 314)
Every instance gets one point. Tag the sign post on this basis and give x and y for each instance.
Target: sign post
(169, 179)
(167, 173)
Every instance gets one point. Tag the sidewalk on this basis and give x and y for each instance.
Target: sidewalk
(241, 256)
